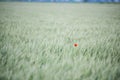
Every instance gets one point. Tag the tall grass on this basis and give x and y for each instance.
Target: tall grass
(36, 41)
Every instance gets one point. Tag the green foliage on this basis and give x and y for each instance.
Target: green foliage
(36, 41)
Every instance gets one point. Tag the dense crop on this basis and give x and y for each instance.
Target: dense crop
(37, 41)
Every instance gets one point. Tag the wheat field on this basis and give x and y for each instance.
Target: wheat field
(36, 41)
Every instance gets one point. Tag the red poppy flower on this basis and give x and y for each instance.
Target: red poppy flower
(75, 44)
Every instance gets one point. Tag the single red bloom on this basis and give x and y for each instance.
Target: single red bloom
(75, 44)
